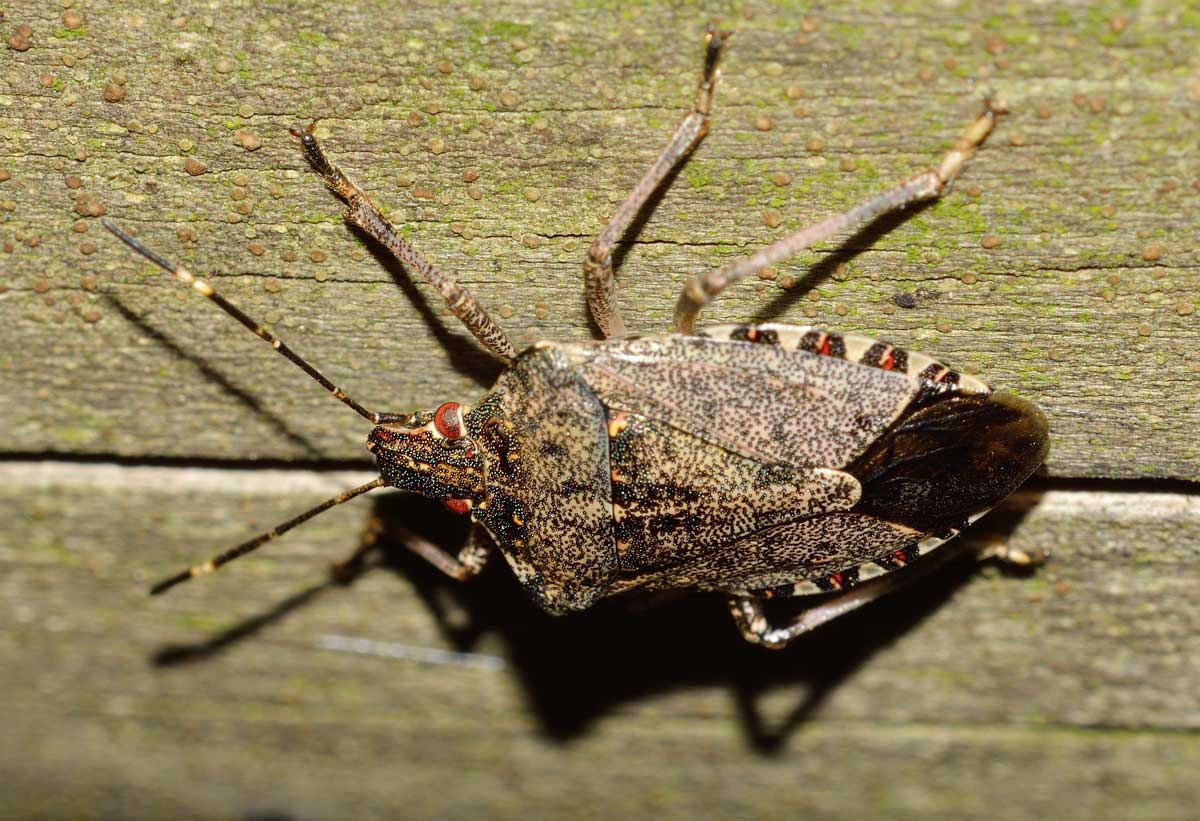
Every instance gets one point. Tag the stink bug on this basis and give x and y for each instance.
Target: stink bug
(758, 461)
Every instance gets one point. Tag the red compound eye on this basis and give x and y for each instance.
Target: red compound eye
(447, 420)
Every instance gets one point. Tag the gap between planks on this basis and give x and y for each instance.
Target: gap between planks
(1127, 503)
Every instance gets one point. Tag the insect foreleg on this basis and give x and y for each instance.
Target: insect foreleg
(701, 290)
(362, 212)
(599, 283)
(470, 559)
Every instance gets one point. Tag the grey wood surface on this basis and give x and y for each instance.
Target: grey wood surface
(143, 430)
(1068, 694)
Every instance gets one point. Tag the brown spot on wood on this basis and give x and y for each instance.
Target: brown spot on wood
(271, 285)
(87, 248)
(113, 93)
(815, 144)
(763, 122)
(781, 178)
(771, 219)
(194, 167)
(470, 175)
(1152, 253)
(88, 282)
(19, 40)
(247, 140)
(990, 241)
(508, 99)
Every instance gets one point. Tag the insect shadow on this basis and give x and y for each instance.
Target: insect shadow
(857, 243)
(247, 400)
(575, 669)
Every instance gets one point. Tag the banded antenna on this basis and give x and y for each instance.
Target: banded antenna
(205, 289)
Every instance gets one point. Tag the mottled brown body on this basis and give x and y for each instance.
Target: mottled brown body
(720, 463)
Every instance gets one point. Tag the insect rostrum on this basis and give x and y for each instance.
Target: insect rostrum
(759, 461)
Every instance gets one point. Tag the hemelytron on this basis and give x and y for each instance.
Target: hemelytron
(755, 460)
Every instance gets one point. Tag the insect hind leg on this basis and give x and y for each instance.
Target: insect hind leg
(750, 615)
(701, 290)
(599, 282)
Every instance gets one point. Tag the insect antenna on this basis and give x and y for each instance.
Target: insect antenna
(203, 287)
(261, 539)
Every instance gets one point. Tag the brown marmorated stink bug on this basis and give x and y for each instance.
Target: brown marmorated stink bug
(758, 461)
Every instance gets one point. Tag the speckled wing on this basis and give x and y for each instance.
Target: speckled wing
(766, 402)
(786, 553)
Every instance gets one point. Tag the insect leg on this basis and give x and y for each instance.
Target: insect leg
(1014, 557)
(470, 559)
(599, 283)
(701, 290)
(751, 618)
(202, 287)
(362, 212)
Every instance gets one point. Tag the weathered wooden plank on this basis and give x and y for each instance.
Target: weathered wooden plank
(1085, 304)
(1077, 684)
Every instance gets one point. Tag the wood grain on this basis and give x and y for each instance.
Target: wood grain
(1086, 304)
